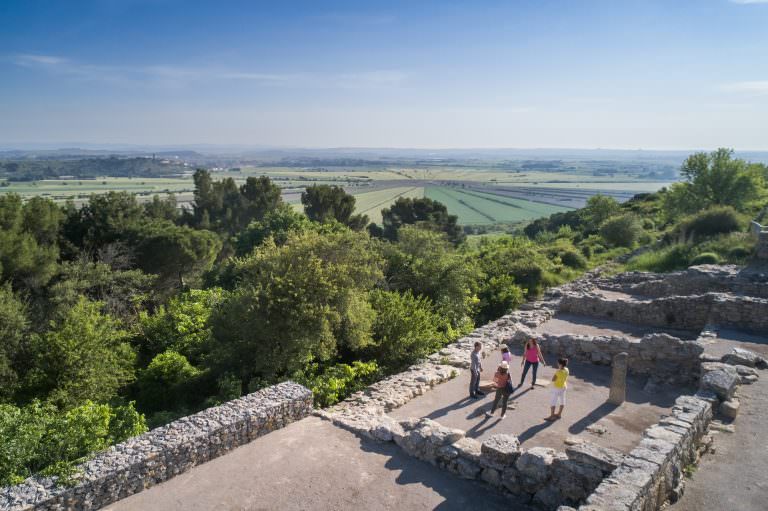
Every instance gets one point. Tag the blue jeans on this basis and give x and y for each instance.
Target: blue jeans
(525, 371)
(474, 383)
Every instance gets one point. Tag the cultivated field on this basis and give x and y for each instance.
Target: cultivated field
(478, 196)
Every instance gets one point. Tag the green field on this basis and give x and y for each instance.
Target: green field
(478, 208)
(371, 203)
(476, 196)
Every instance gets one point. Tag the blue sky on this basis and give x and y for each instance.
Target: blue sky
(682, 74)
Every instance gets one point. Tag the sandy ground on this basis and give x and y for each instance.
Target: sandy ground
(450, 405)
(735, 477)
(313, 465)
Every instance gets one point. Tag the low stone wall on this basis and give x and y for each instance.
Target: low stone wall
(761, 233)
(654, 471)
(162, 453)
(680, 312)
(663, 357)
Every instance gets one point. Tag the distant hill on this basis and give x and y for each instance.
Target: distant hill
(27, 169)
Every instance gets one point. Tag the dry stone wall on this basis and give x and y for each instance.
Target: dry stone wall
(162, 453)
(661, 356)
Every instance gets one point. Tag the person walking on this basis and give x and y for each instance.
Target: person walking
(559, 386)
(502, 383)
(475, 368)
(531, 359)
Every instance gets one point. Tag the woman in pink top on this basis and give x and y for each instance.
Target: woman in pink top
(531, 358)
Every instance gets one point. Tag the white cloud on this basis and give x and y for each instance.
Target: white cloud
(756, 87)
(175, 76)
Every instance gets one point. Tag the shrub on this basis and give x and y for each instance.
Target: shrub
(622, 230)
(738, 253)
(165, 383)
(673, 257)
(711, 222)
(48, 441)
(705, 258)
(573, 259)
(405, 329)
(336, 382)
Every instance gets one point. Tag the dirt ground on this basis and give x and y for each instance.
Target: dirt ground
(735, 475)
(450, 405)
(313, 465)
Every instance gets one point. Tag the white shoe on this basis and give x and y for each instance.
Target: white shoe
(488, 414)
(501, 418)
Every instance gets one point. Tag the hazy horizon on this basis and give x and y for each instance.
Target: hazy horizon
(650, 75)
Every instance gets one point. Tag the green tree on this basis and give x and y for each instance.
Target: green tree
(40, 438)
(323, 203)
(162, 209)
(124, 293)
(622, 230)
(181, 325)
(423, 212)
(166, 383)
(14, 328)
(174, 252)
(295, 303)
(104, 219)
(599, 208)
(277, 224)
(427, 264)
(84, 356)
(27, 254)
(716, 179)
(406, 329)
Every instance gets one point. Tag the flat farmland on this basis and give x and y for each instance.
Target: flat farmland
(371, 203)
(480, 208)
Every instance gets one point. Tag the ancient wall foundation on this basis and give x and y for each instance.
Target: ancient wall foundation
(162, 453)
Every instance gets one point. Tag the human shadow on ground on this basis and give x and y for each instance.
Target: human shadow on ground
(533, 430)
(461, 403)
(458, 494)
(482, 426)
(591, 418)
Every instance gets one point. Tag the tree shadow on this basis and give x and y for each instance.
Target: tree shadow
(591, 418)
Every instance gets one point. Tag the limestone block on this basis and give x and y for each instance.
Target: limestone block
(722, 382)
(588, 453)
(467, 469)
(501, 449)
(535, 466)
(739, 356)
(730, 408)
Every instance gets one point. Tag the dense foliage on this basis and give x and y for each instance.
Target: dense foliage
(116, 302)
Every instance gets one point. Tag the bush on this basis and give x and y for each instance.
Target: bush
(705, 258)
(621, 231)
(40, 438)
(739, 253)
(674, 257)
(165, 383)
(406, 329)
(711, 222)
(573, 259)
(338, 381)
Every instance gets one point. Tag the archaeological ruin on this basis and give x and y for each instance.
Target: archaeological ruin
(657, 359)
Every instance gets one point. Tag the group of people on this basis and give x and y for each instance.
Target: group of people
(502, 379)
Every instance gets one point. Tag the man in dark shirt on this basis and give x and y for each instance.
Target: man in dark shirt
(475, 368)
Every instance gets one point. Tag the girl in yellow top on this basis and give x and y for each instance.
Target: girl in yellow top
(559, 386)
